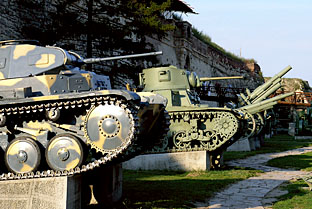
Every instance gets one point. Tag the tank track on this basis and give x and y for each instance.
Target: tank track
(187, 116)
(111, 157)
(216, 149)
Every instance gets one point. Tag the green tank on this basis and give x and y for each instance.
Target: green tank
(195, 126)
(57, 119)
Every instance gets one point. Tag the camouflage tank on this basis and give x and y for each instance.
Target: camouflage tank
(195, 126)
(57, 119)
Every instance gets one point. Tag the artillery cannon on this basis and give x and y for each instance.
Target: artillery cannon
(256, 102)
(195, 126)
(52, 110)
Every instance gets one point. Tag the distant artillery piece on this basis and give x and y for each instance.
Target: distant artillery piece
(256, 102)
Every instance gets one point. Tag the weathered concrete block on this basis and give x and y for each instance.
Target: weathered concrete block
(241, 145)
(102, 186)
(252, 143)
(257, 142)
(186, 161)
(54, 193)
(292, 129)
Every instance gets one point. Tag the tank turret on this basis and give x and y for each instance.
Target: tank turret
(177, 85)
(52, 110)
(195, 126)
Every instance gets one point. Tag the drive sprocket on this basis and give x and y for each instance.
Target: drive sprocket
(109, 126)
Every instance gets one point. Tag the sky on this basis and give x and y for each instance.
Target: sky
(276, 33)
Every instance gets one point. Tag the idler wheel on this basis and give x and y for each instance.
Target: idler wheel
(64, 152)
(22, 155)
(108, 127)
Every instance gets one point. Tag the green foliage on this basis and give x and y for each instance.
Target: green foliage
(149, 13)
(206, 39)
(169, 189)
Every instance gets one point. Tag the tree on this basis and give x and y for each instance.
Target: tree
(102, 28)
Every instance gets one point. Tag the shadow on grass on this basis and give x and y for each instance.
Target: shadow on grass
(161, 189)
(170, 193)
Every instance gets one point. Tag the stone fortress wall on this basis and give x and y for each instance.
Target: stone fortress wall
(180, 48)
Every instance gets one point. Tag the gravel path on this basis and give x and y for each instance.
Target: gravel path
(256, 192)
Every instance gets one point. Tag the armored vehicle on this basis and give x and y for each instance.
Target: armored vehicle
(195, 126)
(57, 119)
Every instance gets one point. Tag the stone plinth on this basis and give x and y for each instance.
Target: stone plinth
(292, 129)
(243, 144)
(186, 161)
(101, 186)
(52, 193)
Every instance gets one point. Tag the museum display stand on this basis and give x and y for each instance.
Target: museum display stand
(101, 186)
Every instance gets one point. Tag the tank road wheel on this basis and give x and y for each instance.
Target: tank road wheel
(22, 155)
(109, 127)
(64, 152)
(181, 141)
(212, 137)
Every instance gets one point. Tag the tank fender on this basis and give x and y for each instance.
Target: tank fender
(153, 98)
(128, 95)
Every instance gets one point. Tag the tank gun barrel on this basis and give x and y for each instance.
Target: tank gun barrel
(94, 60)
(267, 84)
(220, 78)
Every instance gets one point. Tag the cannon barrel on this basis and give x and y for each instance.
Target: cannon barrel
(262, 108)
(267, 93)
(267, 101)
(94, 60)
(220, 78)
(267, 84)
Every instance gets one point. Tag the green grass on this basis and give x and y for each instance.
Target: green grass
(298, 162)
(169, 189)
(278, 143)
(296, 198)
(206, 39)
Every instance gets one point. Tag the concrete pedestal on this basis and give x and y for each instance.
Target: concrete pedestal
(292, 129)
(243, 144)
(102, 187)
(52, 193)
(185, 161)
